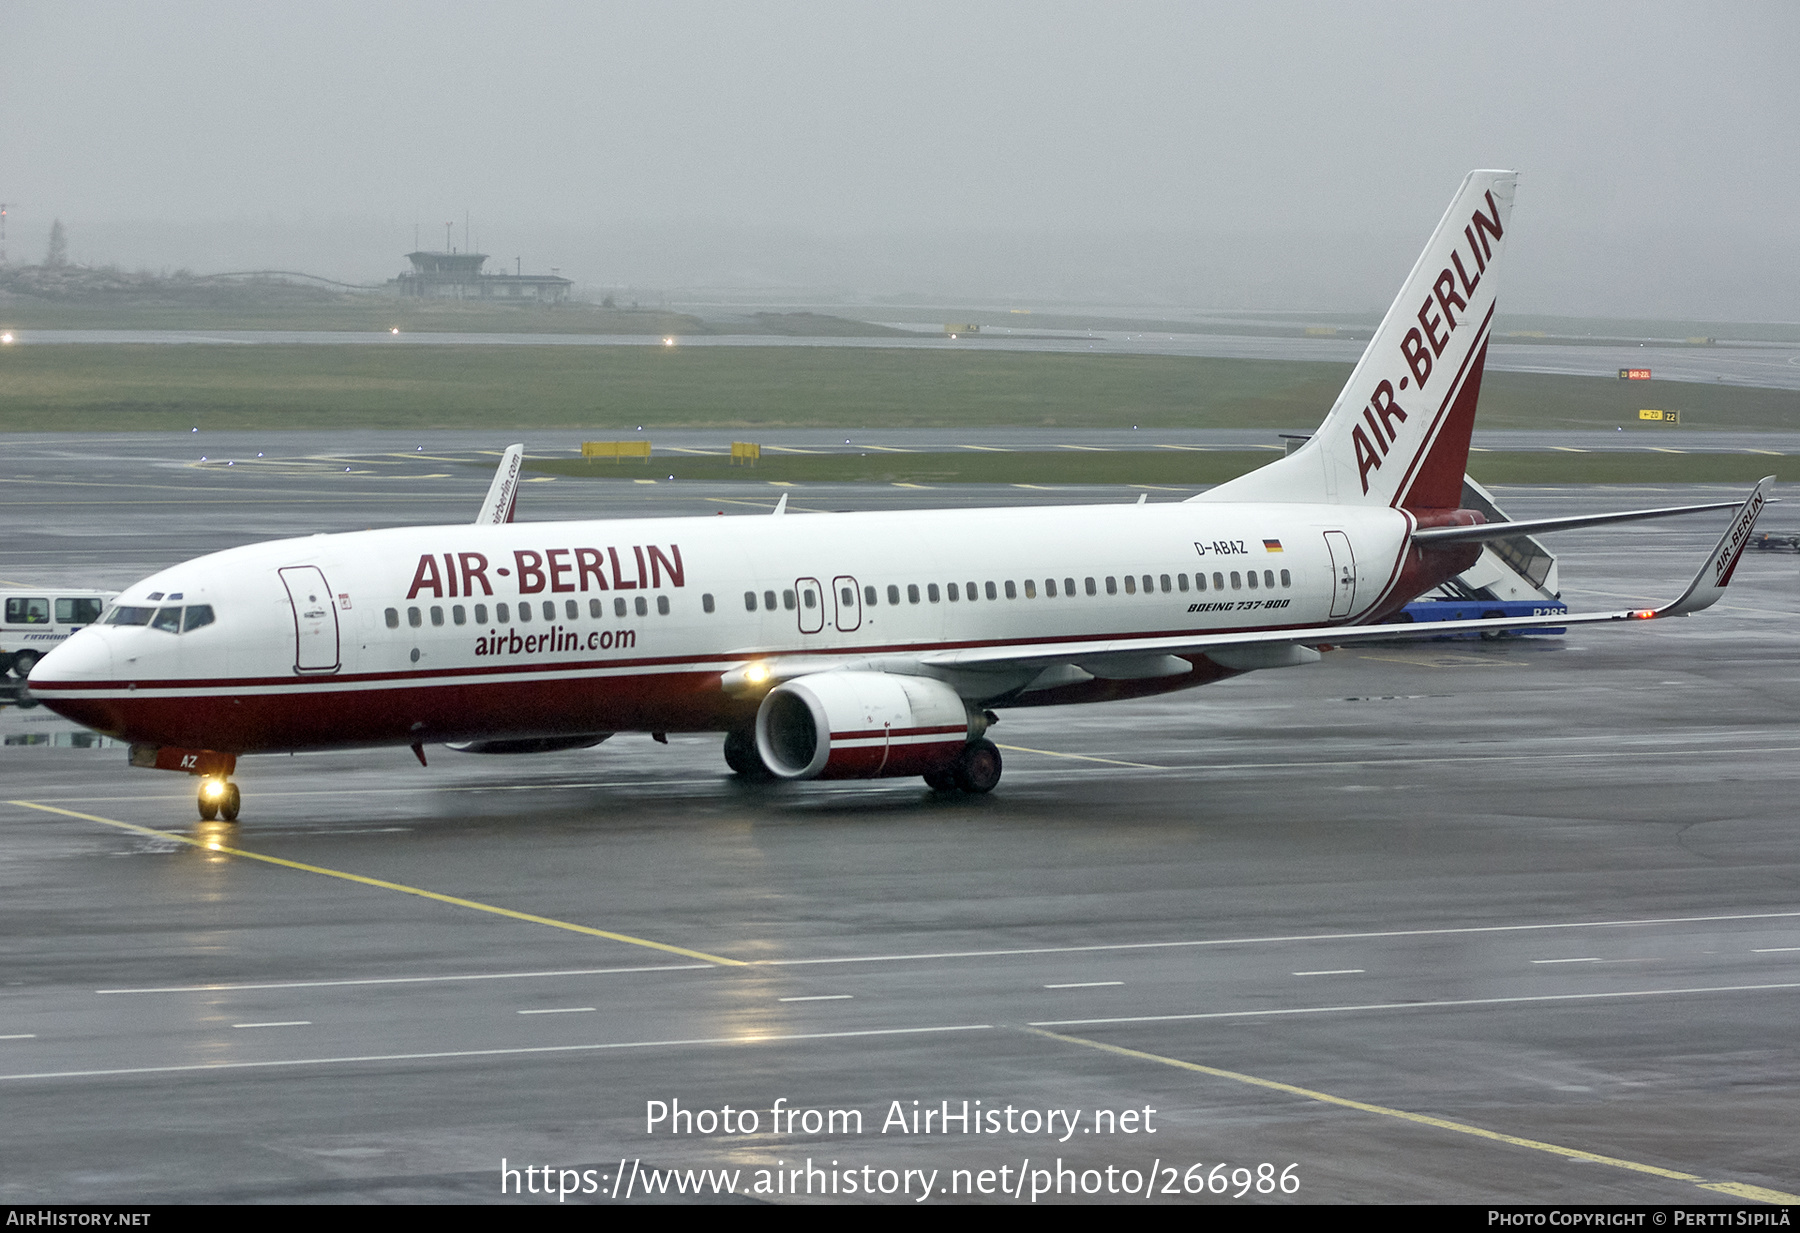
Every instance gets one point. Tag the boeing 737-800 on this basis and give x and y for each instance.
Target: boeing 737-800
(839, 645)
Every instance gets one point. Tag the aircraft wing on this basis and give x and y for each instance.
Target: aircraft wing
(503, 493)
(1540, 526)
(1706, 588)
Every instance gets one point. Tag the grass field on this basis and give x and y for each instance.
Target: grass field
(743, 389)
(1157, 468)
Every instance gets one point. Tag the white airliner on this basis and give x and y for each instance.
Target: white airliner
(839, 645)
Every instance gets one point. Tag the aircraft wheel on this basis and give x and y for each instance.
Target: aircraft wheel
(23, 663)
(742, 756)
(209, 806)
(228, 807)
(978, 768)
(941, 781)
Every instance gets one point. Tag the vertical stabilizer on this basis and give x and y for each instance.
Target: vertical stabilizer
(1398, 434)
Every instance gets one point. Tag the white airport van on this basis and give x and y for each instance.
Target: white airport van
(31, 622)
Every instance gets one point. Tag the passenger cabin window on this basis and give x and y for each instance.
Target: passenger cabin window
(1181, 583)
(706, 603)
(869, 596)
(950, 592)
(1199, 582)
(769, 600)
(912, 592)
(788, 601)
(1112, 585)
(1130, 585)
(1049, 589)
(1252, 580)
(1218, 581)
(1089, 584)
(1237, 583)
(573, 612)
(1030, 588)
(459, 614)
(481, 613)
(894, 595)
(437, 615)
(931, 592)
(749, 602)
(618, 607)
(392, 616)
(502, 613)
(524, 611)
(1268, 577)
(643, 606)
(662, 605)
(596, 609)
(1286, 579)
(413, 618)
(549, 610)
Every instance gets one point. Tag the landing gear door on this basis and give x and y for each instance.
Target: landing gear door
(848, 603)
(1343, 571)
(315, 619)
(812, 605)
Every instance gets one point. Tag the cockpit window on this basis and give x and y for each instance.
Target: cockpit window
(174, 620)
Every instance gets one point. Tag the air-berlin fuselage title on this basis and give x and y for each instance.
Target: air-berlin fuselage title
(1426, 341)
(451, 575)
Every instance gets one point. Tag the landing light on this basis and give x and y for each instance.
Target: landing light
(5, 338)
(756, 674)
(395, 330)
(214, 789)
(668, 342)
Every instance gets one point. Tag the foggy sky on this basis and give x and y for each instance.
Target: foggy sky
(1269, 156)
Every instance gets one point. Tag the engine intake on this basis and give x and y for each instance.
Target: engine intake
(863, 725)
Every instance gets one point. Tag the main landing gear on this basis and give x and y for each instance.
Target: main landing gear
(975, 771)
(219, 798)
(742, 757)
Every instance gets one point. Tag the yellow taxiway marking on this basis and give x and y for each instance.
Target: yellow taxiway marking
(888, 449)
(1441, 1123)
(208, 846)
(991, 449)
(898, 485)
(1051, 753)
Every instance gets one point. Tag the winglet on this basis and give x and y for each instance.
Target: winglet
(1715, 575)
(503, 493)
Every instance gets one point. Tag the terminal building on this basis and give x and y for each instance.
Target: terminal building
(458, 276)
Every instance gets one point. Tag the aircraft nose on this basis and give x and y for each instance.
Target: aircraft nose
(86, 656)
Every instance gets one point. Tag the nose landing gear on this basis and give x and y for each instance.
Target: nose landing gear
(219, 798)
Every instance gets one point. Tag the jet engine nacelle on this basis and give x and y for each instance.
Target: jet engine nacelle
(863, 725)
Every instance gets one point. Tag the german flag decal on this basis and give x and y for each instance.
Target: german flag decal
(1271, 545)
